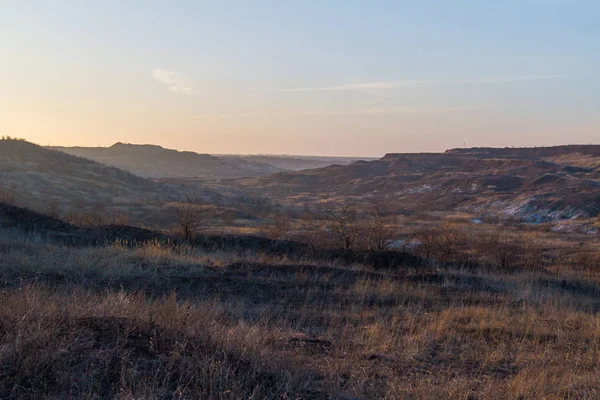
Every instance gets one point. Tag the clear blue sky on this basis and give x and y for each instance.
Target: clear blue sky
(301, 77)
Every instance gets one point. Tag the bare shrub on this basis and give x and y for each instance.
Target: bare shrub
(280, 227)
(96, 215)
(376, 230)
(442, 244)
(344, 227)
(76, 218)
(117, 217)
(503, 249)
(188, 219)
(314, 233)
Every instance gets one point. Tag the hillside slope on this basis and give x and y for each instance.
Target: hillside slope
(532, 185)
(38, 176)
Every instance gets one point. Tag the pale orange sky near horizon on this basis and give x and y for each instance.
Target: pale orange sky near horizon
(274, 78)
(203, 144)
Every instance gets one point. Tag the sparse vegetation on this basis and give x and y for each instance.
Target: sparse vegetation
(279, 200)
(247, 295)
(163, 321)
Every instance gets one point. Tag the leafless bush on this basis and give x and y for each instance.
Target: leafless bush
(280, 227)
(314, 233)
(502, 249)
(443, 244)
(344, 227)
(188, 219)
(376, 230)
(508, 249)
(99, 214)
(76, 218)
(118, 217)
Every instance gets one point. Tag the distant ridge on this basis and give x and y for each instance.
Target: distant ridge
(295, 162)
(530, 152)
(533, 184)
(153, 161)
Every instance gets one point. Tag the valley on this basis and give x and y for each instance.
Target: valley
(413, 275)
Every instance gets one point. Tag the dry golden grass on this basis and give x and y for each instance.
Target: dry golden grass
(159, 322)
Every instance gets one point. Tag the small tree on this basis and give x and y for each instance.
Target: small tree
(343, 227)
(54, 208)
(377, 232)
(313, 233)
(187, 216)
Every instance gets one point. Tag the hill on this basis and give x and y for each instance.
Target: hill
(458, 309)
(86, 192)
(532, 184)
(37, 177)
(153, 161)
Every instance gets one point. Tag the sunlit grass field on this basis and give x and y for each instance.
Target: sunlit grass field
(160, 321)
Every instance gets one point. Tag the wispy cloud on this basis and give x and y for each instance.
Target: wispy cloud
(399, 84)
(408, 110)
(173, 80)
(415, 110)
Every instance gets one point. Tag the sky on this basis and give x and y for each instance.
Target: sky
(344, 78)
